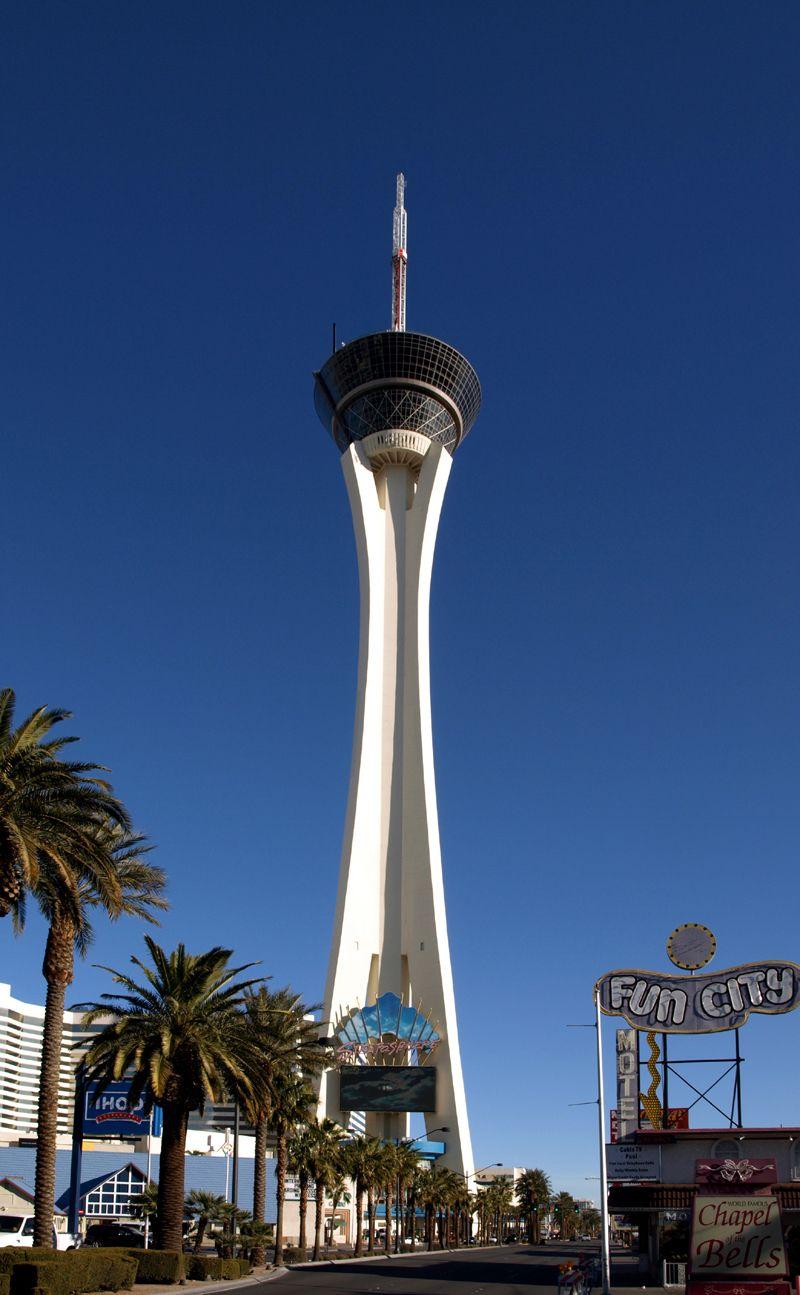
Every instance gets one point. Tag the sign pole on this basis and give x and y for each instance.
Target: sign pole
(77, 1153)
(605, 1256)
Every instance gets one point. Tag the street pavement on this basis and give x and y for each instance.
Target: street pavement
(505, 1270)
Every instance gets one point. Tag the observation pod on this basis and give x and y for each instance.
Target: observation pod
(397, 405)
(397, 382)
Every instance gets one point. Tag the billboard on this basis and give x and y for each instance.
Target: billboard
(110, 1114)
(717, 1000)
(387, 1088)
(737, 1236)
(630, 1162)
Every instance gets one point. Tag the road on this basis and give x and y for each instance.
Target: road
(507, 1270)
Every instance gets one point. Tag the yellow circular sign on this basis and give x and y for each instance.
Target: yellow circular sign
(691, 946)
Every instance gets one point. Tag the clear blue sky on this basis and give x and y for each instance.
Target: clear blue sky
(603, 208)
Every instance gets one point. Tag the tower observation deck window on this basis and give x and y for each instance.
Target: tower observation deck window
(398, 381)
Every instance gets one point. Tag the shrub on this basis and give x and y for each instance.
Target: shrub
(200, 1267)
(12, 1256)
(159, 1265)
(75, 1271)
(5, 1283)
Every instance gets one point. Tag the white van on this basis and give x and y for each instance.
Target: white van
(17, 1230)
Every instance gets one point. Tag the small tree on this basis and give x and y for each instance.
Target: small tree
(204, 1206)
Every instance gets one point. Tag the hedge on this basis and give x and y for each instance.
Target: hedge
(5, 1283)
(158, 1265)
(73, 1272)
(200, 1267)
(11, 1256)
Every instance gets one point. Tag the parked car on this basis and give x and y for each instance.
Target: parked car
(17, 1230)
(114, 1234)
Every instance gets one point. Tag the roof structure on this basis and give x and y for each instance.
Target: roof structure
(89, 1184)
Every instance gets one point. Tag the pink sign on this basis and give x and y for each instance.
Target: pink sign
(736, 1173)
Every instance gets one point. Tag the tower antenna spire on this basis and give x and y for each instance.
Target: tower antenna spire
(399, 258)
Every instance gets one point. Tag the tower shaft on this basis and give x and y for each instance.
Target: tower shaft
(390, 930)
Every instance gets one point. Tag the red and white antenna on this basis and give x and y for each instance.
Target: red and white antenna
(399, 258)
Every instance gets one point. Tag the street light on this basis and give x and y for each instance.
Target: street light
(497, 1164)
(409, 1142)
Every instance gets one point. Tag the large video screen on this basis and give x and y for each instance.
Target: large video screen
(387, 1088)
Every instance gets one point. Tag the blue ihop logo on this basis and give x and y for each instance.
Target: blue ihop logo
(111, 1112)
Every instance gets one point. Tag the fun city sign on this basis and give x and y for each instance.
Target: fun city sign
(690, 1004)
(385, 1033)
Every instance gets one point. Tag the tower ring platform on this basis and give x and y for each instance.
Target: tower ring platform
(397, 382)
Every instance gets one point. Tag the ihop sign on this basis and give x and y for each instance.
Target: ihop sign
(110, 1113)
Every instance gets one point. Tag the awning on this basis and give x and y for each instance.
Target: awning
(643, 1198)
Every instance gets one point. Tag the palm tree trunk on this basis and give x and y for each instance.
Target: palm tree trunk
(57, 970)
(359, 1246)
(202, 1224)
(371, 1217)
(171, 1176)
(302, 1240)
(258, 1253)
(387, 1245)
(319, 1216)
(280, 1192)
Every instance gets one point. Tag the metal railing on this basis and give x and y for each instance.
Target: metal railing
(674, 1273)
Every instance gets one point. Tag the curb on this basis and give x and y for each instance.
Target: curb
(255, 1279)
(381, 1254)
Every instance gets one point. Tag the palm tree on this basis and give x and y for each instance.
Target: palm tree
(144, 1205)
(231, 1218)
(533, 1190)
(406, 1161)
(415, 1179)
(591, 1220)
(436, 1190)
(182, 1035)
(359, 1155)
(255, 1237)
(374, 1181)
(325, 1159)
(292, 1104)
(287, 1042)
(461, 1204)
(48, 806)
(205, 1207)
(339, 1193)
(566, 1215)
(134, 887)
(387, 1176)
(299, 1160)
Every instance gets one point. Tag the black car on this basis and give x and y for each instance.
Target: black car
(114, 1234)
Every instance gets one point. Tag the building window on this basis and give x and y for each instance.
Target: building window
(112, 1199)
(727, 1149)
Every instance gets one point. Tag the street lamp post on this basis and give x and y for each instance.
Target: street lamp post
(409, 1142)
(496, 1164)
